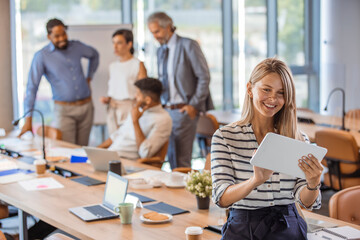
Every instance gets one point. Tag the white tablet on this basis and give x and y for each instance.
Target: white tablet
(281, 154)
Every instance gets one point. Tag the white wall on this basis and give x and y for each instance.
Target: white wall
(6, 109)
(340, 53)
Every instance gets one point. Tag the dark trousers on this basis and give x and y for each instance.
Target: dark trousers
(181, 139)
(271, 223)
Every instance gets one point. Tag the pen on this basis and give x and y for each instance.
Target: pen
(326, 237)
(334, 233)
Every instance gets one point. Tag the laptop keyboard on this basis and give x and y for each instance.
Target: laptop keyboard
(99, 211)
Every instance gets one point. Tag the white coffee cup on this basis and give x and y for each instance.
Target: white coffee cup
(193, 233)
(40, 166)
(177, 177)
(154, 182)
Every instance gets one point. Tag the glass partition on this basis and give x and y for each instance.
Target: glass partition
(32, 36)
(199, 20)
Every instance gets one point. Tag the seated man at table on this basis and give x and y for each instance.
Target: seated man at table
(147, 128)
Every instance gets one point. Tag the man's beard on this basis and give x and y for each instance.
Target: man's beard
(63, 47)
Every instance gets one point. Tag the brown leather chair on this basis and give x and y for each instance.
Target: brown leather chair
(208, 162)
(342, 158)
(187, 169)
(206, 127)
(308, 110)
(344, 205)
(353, 113)
(2, 236)
(4, 210)
(158, 159)
(50, 132)
(183, 169)
(58, 236)
(4, 213)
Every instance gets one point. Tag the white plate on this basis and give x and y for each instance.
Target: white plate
(145, 220)
(174, 184)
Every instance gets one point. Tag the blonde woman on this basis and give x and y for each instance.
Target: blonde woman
(261, 201)
(123, 74)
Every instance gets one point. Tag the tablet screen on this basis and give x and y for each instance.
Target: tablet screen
(281, 154)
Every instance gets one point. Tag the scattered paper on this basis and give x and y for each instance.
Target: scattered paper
(322, 236)
(40, 184)
(66, 152)
(147, 174)
(346, 231)
(315, 225)
(15, 178)
(17, 144)
(6, 164)
(337, 233)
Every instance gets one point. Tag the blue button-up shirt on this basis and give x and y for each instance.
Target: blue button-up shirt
(62, 68)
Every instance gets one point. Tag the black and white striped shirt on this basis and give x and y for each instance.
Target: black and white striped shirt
(231, 150)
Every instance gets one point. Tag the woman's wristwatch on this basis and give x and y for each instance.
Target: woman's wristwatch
(313, 189)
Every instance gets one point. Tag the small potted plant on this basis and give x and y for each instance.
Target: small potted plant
(200, 184)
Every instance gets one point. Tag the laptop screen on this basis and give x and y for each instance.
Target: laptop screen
(115, 190)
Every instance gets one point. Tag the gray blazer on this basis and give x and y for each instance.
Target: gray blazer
(192, 76)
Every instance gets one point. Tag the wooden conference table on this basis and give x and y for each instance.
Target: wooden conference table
(321, 122)
(52, 207)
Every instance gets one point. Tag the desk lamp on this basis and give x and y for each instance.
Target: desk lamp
(343, 105)
(16, 122)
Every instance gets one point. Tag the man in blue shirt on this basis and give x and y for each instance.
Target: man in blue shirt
(60, 63)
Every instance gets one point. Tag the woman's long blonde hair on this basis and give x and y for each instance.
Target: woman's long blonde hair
(285, 121)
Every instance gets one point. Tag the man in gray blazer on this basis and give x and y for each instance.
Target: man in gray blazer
(185, 75)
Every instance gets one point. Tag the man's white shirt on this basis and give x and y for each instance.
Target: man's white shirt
(156, 125)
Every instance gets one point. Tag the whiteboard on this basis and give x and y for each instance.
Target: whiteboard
(100, 38)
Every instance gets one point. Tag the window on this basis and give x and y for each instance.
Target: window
(291, 31)
(285, 28)
(32, 36)
(291, 44)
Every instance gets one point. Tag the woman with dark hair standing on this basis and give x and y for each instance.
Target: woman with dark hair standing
(123, 74)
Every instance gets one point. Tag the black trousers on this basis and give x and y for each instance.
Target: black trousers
(271, 223)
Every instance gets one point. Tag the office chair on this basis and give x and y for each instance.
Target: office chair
(158, 159)
(58, 236)
(308, 110)
(342, 158)
(50, 132)
(207, 166)
(206, 127)
(2, 236)
(344, 205)
(353, 114)
(4, 210)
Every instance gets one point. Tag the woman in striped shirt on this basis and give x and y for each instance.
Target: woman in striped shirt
(261, 201)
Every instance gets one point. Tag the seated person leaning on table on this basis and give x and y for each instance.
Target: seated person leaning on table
(147, 128)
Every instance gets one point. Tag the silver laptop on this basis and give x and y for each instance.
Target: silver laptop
(99, 157)
(115, 193)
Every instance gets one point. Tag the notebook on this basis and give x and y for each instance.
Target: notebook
(214, 228)
(165, 208)
(115, 193)
(281, 154)
(88, 181)
(142, 198)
